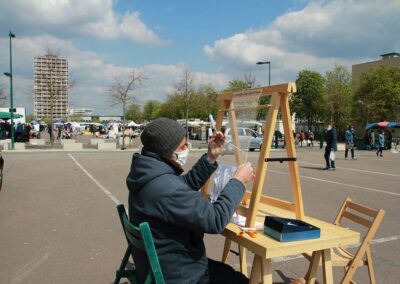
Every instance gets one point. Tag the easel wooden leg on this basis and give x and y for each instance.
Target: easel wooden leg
(225, 253)
(327, 266)
(255, 270)
(266, 271)
(243, 260)
(312, 271)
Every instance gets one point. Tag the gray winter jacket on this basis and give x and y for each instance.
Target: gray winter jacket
(178, 214)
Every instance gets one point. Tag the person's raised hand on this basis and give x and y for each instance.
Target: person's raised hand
(215, 145)
(245, 173)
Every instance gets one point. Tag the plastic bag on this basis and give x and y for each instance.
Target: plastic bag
(222, 175)
(332, 155)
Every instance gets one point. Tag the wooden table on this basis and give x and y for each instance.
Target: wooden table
(266, 248)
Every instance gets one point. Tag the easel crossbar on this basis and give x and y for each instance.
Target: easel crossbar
(246, 108)
(280, 160)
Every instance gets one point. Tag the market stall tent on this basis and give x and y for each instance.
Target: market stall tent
(382, 124)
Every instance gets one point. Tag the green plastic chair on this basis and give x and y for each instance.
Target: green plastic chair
(139, 238)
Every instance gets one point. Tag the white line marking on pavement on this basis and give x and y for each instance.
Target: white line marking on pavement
(28, 268)
(340, 183)
(377, 241)
(356, 170)
(105, 190)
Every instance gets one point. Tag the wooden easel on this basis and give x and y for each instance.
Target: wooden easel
(279, 102)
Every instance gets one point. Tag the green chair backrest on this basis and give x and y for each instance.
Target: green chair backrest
(142, 239)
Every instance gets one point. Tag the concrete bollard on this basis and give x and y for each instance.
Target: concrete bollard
(40, 142)
(96, 141)
(17, 146)
(67, 141)
(72, 146)
(107, 146)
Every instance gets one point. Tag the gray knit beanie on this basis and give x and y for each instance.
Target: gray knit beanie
(162, 136)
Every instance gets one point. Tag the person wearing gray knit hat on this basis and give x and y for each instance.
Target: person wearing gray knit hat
(176, 211)
(162, 136)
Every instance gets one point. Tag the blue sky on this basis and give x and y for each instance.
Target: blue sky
(218, 40)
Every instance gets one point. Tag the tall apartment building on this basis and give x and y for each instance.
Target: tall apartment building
(50, 79)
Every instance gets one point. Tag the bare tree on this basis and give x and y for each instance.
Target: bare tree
(123, 92)
(185, 88)
(250, 79)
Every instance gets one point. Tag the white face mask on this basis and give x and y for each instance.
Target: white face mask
(329, 128)
(181, 157)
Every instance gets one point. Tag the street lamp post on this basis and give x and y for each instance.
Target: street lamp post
(269, 69)
(9, 74)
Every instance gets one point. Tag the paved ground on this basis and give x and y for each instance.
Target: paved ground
(58, 222)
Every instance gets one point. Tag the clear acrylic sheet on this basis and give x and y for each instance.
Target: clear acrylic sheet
(222, 175)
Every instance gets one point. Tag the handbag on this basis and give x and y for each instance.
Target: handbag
(332, 155)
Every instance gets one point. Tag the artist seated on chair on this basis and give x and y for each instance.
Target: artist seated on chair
(177, 212)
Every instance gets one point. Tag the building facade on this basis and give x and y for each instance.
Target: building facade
(388, 60)
(50, 80)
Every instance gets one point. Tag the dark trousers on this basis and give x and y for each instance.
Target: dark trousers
(352, 153)
(380, 150)
(220, 272)
(329, 164)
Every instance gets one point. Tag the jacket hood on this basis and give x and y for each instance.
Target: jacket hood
(146, 167)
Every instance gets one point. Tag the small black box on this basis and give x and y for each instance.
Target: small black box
(288, 230)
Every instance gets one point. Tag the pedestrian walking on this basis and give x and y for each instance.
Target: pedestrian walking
(302, 137)
(381, 142)
(310, 138)
(331, 147)
(349, 142)
(178, 214)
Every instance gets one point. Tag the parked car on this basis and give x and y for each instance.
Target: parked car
(1, 170)
(248, 139)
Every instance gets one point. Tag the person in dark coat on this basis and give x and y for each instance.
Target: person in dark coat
(177, 212)
(331, 146)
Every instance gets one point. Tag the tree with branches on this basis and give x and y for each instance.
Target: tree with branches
(185, 89)
(122, 92)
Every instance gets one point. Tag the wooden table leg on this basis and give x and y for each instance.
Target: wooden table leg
(266, 271)
(312, 271)
(243, 260)
(225, 253)
(255, 270)
(327, 266)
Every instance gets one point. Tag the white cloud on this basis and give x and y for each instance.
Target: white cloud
(89, 18)
(316, 37)
(91, 74)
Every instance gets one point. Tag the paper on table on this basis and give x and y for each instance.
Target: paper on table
(241, 221)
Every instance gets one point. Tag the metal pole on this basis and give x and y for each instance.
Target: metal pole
(269, 73)
(11, 35)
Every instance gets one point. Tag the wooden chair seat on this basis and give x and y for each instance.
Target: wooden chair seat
(341, 257)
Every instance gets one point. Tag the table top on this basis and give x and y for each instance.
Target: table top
(267, 247)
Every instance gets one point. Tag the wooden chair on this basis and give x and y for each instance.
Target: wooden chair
(141, 239)
(341, 256)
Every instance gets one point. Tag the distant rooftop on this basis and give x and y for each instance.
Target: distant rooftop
(390, 55)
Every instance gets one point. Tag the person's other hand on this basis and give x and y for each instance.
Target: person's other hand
(245, 173)
(215, 144)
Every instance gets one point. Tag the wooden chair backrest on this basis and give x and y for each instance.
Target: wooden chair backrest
(142, 239)
(357, 213)
(369, 218)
